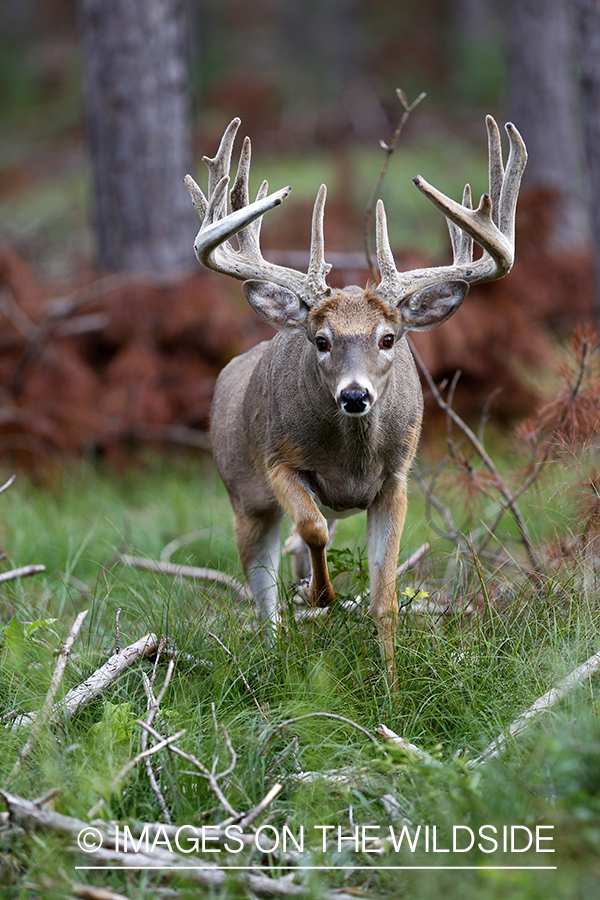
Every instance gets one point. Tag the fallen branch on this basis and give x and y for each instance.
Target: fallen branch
(388, 735)
(31, 818)
(542, 705)
(193, 572)
(76, 890)
(23, 572)
(98, 682)
(47, 707)
(7, 484)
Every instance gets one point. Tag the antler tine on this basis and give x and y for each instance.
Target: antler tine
(495, 165)
(212, 245)
(462, 243)
(517, 160)
(218, 167)
(240, 198)
(491, 225)
(318, 269)
(385, 257)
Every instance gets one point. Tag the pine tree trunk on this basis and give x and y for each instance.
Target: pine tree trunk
(588, 31)
(543, 106)
(138, 131)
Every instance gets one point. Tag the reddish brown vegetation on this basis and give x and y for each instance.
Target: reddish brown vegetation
(123, 359)
(120, 359)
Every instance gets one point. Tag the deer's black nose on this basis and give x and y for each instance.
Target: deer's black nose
(354, 401)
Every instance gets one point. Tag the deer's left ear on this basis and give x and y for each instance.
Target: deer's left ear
(429, 307)
(276, 305)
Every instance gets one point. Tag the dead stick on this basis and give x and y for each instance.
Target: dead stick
(541, 706)
(46, 710)
(241, 674)
(7, 484)
(256, 811)
(202, 770)
(23, 572)
(83, 694)
(194, 572)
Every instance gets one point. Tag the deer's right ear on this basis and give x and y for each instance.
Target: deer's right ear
(276, 305)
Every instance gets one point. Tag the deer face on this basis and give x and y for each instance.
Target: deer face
(355, 332)
(354, 335)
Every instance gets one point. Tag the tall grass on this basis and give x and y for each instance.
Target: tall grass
(465, 676)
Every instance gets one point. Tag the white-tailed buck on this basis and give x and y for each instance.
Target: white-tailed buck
(323, 420)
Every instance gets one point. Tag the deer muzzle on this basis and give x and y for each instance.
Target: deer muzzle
(355, 401)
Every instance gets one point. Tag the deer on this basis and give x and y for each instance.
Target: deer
(323, 420)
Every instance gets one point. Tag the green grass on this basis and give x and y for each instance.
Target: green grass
(463, 681)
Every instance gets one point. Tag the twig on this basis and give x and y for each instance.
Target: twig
(7, 484)
(122, 773)
(542, 705)
(413, 560)
(452, 532)
(241, 674)
(389, 149)
(102, 678)
(153, 707)
(256, 811)
(161, 649)
(485, 458)
(117, 631)
(194, 572)
(321, 715)
(23, 572)
(47, 707)
(212, 779)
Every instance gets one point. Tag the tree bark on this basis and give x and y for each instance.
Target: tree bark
(138, 132)
(587, 14)
(543, 106)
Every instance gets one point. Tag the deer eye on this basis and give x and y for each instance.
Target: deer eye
(387, 341)
(322, 344)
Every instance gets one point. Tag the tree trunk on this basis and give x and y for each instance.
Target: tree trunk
(138, 131)
(588, 32)
(543, 106)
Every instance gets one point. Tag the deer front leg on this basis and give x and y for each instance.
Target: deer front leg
(311, 525)
(297, 549)
(385, 521)
(259, 548)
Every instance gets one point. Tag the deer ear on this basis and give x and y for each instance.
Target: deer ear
(276, 305)
(428, 308)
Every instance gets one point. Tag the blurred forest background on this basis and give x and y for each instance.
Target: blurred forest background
(111, 335)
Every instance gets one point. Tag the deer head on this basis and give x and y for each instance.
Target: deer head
(354, 332)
